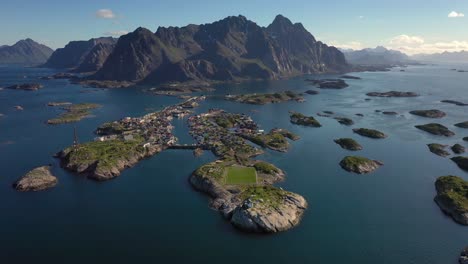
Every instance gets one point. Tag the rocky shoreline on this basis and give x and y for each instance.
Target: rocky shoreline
(37, 179)
(452, 197)
(252, 204)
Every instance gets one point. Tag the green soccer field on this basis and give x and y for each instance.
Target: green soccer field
(241, 175)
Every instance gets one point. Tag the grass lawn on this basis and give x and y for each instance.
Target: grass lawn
(241, 175)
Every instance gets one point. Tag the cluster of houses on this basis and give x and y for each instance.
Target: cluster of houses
(206, 132)
(155, 128)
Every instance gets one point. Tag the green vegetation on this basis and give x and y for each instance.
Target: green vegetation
(453, 191)
(272, 140)
(303, 120)
(215, 170)
(241, 175)
(265, 167)
(73, 113)
(433, 113)
(436, 129)
(462, 124)
(458, 149)
(462, 162)
(353, 161)
(438, 149)
(345, 121)
(348, 143)
(266, 195)
(359, 164)
(226, 121)
(371, 133)
(261, 99)
(106, 154)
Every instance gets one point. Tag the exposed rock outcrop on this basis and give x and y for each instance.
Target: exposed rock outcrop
(371, 133)
(436, 129)
(348, 143)
(25, 86)
(452, 197)
(393, 94)
(36, 180)
(360, 165)
(433, 113)
(438, 149)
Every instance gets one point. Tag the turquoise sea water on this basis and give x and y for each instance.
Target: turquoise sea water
(150, 214)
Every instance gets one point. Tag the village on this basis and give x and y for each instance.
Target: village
(221, 132)
(155, 128)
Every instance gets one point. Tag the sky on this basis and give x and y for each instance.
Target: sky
(411, 26)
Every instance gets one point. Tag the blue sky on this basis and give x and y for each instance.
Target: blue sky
(412, 25)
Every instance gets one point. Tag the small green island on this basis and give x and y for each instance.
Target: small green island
(452, 197)
(303, 120)
(462, 124)
(360, 165)
(262, 99)
(432, 113)
(462, 162)
(37, 179)
(438, 149)
(348, 144)
(436, 129)
(458, 149)
(344, 121)
(73, 112)
(370, 133)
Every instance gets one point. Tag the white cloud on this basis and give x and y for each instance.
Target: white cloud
(414, 45)
(117, 33)
(455, 14)
(406, 40)
(105, 13)
(354, 45)
(361, 17)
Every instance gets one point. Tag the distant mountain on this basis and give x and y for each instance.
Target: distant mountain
(377, 56)
(231, 49)
(76, 52)
(460, 56)
(25, 51)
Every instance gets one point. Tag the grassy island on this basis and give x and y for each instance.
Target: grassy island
(433, 113)
(303, 120)
(348, 143)
(462, 162)
(462, 124)
(261, 99)
(371, 133)
(103, 157)
(360, 165)
(73, 113)
(436, 129)
(438, 149)
(452, 197)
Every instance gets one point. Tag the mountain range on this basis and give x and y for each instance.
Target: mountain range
(25, 51)
(83, 55)
(232, 49)
(460, 56)
(377, 56)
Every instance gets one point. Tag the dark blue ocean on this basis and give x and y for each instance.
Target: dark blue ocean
(150, 214)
